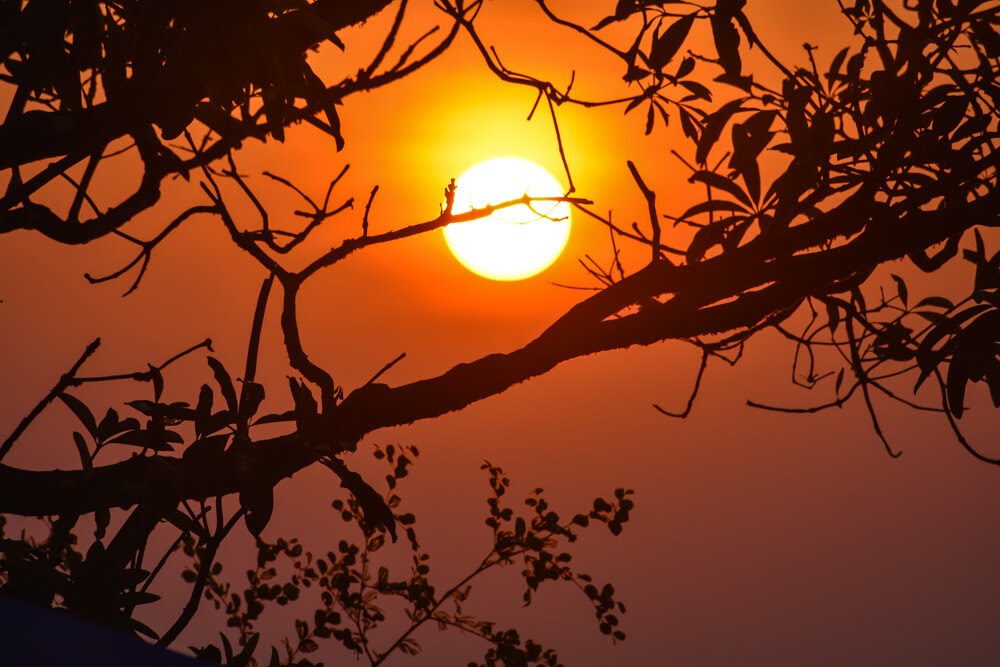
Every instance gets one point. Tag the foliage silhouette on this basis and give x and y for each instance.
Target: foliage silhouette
(813, 179)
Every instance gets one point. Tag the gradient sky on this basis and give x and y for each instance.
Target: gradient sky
(758, 538)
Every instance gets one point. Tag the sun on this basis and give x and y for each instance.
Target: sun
(513, 243)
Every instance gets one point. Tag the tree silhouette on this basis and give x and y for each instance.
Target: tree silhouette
(813, 178)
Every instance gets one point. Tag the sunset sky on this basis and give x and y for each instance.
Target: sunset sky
(758, 538)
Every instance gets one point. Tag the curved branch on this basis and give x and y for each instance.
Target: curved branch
(733, 291)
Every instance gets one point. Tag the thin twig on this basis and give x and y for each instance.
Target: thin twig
(64, 382)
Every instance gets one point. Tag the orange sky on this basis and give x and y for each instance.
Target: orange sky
(758, 538)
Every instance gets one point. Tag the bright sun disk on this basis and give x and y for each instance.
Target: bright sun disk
(517, 242)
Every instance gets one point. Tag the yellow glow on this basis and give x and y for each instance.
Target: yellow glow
(517, 242)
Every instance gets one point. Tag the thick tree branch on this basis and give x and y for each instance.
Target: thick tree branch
(721, 294)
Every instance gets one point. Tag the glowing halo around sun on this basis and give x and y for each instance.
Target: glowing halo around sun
(517, 242)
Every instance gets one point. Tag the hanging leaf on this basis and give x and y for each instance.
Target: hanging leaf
(687, 66)
(225, 383)
(257, 499)
(666, 46)
(722, 183)
(714, 125)
(712, 206)
(698, 90)
(688, 125)
(253, 396)
(936, 302)
(635, 73)
(706, 237)
(157, 379)
(623, 10)
(83, 451)
(835, 65)
(727, 42)
(901, 288)
(81, 411)
(833, 317)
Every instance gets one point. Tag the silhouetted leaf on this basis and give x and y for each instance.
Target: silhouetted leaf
(623, 10)
(708, 236)
(81, 411)
(253, 395)
(835, 65)
(698, 91)
(278, 418)
(722, 183)
(225, 383)
(833, 317)
(636, 73)
(157, 379)
(257, 498)
(727, 42)
(143, 629)
(936, 302)
(712, 206)
(901, 288)
(686, 67)
(666, 46)
(688, 125)
(714, 125)
(82, 450)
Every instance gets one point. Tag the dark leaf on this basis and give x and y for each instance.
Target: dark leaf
(722, 183)
(727, 42)
(225, 383)
(623, 10)
(901, 287)
(687, 66)
(958, 378)
(712, 206)
(936, 302)
(688, 125)
(833, 317)
(157, 378)
(277, 418)
(82, 450)
(82, 412)
(706, 237)
(143, 629)
(666, 46)
(110, 425)
(139, 597)
(636, 73)
(204, 408)
(253, 395)
(714, 125)
(257, 499)
(836, 63)
(698, 90)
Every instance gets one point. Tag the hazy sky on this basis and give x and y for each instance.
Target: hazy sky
(758, 538)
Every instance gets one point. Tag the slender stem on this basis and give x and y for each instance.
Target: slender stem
(197, 591)
(64, 382)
